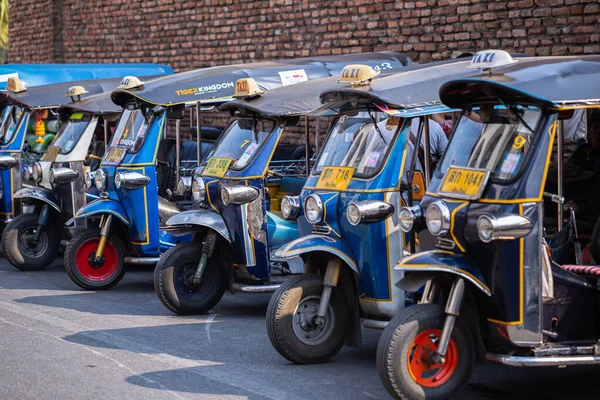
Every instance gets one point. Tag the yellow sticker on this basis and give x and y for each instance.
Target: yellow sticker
(216, 167)
(519, 142)
(115, 155)
(51, 154)
(244, 144)
(335, 178)
(76, 115)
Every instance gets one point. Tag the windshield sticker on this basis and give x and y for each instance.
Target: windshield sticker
(519, 142)
(293, 77)
(348, 136)
(114, 156)
(69, 144)
(246, 141)
(510, 163)
(251, 148)
(322, 159)
(76, 115)
(372, 159)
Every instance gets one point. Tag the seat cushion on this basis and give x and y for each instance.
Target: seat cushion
(590, 270)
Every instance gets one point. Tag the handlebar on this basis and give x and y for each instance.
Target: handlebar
(276, 174)
(554, 198)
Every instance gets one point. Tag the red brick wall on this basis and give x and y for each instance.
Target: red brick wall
(190, 34)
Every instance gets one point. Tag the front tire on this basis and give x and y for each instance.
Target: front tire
(20, 250)
(82, 268)
(173, 275)
(404, 349)
(289, 321)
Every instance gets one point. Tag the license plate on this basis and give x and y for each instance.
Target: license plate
(216, 167)
(335, 178)
(114, 156)
(464, 183)
(51, 154)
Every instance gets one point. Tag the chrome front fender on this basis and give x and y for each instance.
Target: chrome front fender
(185, 222)
(310, 243)
(104, 206)
(424, 266)
(41, 194)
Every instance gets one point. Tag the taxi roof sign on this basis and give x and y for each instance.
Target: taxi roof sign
(15, 85)
(75, 91)
(246, 87)
(488, 59)
(358, 74)
(130, 82)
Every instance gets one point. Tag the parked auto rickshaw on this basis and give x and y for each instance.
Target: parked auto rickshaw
(491, 288)
(57, 189)
(236, 219)
(95, 259)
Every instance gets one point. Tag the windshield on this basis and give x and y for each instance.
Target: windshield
(131, 131)
(10, 120)
(498, 145)
(241, 140)
(360, 142)
(70, 133)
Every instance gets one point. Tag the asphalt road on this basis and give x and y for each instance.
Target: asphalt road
(59, 342)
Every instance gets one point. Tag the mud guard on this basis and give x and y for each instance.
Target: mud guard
(310, 243)
(104, 206)
(41, 194)
(185, 222)
(423, 266)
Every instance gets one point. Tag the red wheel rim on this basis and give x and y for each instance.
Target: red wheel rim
(421, 367)
(96, 273)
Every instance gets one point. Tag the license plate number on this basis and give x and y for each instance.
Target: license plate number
(464, 183)
(335, 178)
(216, 167)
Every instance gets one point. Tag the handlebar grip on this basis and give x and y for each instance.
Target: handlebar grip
(554, 198)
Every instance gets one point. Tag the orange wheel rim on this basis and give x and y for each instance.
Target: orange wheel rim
(420, 365)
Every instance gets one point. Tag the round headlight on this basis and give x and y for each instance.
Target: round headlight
(437, 218)
(406, 219)
(36, 172)
(89, 176)
(118, 180)
(52, 175)
(225, 198)
(198, 190)
(485, 229)
(100, 180)
(28, 173)
(353, 214)
(290, 206)
(313, 209)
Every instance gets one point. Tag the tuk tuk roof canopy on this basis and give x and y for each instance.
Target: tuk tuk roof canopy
(216, 85)
(45, 74)
(52, 96)
(99, 104)
(554, 82)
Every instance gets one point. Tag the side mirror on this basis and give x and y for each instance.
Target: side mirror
(565, 114)
(176, 112)
(418, 186)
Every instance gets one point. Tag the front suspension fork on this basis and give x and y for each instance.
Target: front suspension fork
(42, 221)
(104, 231)
(330, 281)
(207, 251)
(452, 311)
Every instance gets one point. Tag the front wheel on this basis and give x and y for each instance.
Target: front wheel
(405, 349)
(83, 268)
(174, 279)
(23, 251)
(291, 323)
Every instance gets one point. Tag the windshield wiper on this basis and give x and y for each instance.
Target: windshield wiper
(377, 128)
(513, 110)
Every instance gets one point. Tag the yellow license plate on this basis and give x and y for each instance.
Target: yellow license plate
(115, 155)
(335, 178)
(464, 183)
(51, 153)
(216, 167)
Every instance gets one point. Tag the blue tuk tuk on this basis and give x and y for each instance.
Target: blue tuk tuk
(127, 178)
(495, 287)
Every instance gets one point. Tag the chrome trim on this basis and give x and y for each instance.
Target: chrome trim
(198, 195)
(520, 361)
(294, 207)
(432, 268)
(238, 287)
(142, 260)
(445, 211)
(238, 194)
(100, 176)
(36, 173)
(62, 176)
(317, 199)
(444, 243)
(375, 324)
(166, 209)
(321, 230)
(130, 180)
(184, 186)
(8, 162)
(416, 213)
(505, 227)
(370, 211)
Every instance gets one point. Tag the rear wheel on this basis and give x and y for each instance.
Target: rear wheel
(81, 264)
(291, 323)
(405, 349)
(23, 251)
(174, 279)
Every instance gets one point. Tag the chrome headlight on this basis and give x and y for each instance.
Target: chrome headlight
(238, 194)
(62, 176)
(7, 162)
(290, 207)
(28, 173)
(89, 179)
(409, 217)
(198, 190)
(130, 180)
(368, 211)
(437, 218)
(36, 172)
(100, 180)
(313, 209)
(184, 186)
(506, 227)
